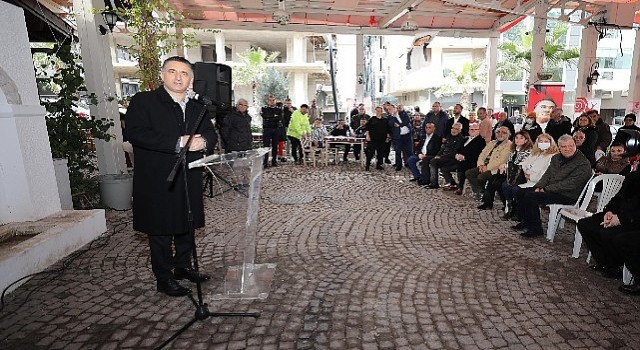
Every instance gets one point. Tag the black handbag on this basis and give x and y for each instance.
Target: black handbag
(515, 175)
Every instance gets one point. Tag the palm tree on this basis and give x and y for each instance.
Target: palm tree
(472, 76)
(254, 69)
(517, 53)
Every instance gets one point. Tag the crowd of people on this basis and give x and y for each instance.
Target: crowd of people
(542, 163)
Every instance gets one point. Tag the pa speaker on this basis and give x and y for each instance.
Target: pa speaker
(214, 81)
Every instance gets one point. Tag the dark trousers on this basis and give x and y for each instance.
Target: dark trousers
(387, 149)
(377, 147)
(356, 151)
(402, 146)
(296, 148)
(494, 184)
(529, 203)
(509, 191)
(627, 244)
(164, 259)
(271, 138)
(600, 240)
(438, 163)
(477, 179)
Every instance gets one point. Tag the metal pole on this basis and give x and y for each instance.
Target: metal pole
(332, 72)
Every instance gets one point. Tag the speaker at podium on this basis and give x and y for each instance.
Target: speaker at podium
(213, 80)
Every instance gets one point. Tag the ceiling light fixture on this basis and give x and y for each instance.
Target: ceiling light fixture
(410, 25)
(281, 15)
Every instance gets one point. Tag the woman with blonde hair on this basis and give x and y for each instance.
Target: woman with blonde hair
(530, 170)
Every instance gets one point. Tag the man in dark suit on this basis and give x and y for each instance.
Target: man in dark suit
(400, 125)
(466, 159)
(429, 147)
(158, 126)
(503, 121)
(458, 118)
(439, 118)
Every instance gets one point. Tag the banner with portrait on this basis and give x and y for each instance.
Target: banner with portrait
(543, 99)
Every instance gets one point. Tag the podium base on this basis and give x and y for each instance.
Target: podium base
(248, 281)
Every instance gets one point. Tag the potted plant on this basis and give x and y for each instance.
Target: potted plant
(72, 131)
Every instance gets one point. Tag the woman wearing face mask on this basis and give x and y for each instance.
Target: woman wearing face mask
(533, 167)
(531, 126)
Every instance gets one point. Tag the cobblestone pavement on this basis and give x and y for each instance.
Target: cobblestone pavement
(365, 260)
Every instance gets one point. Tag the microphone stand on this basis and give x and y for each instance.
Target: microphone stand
(202, 311)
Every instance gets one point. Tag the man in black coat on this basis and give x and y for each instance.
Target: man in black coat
(158, 126)
(558, 125)
(466, 159)
(457, 118)
(428, 148)
(235, 128)
(272, 125)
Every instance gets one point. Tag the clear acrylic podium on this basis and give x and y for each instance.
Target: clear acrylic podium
(237, 179)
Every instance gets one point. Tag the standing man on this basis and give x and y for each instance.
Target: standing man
(299, 129)
(458, 118)
(235, 128)
(355, 119)
(503, 121)
(437, 117)
(158, 124)
(314, 112)
(486, 127)
(400, 125)
(287, 110)
(377, 134)
(271, 129)
(558, 125)
(604, 132)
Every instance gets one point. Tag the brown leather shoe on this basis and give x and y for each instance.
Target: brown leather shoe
(458, 191)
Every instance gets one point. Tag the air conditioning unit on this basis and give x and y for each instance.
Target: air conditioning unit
(607, 95)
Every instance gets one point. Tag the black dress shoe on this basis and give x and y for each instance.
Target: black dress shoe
(432, 186)
(190, 274)
(379, 167)
(172, 288)
(388, 161)
(631, 289)
(530, 234)
(613, 272)
(414, 179)
(597, 267)
(398, 168)
(485, 206)
(423, 183)
(519, 226)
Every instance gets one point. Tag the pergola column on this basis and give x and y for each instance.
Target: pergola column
(588, 46)
(492, 58)
(221, 53)
(634, 82)
(539, 33)
(360, 68)
(99, 79)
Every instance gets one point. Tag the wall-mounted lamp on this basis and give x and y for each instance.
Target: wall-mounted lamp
(360, 78)
(110, 18)
(593, 76)
(410, 25)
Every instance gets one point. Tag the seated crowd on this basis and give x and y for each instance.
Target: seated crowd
(528, 169)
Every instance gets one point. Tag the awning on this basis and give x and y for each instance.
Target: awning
(43, 24)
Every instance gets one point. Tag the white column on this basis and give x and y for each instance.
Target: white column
(588, 46)
(28, 189)
(492, 59)
(539, 33)
(634, 83)
(359, 67)
(300, 85)
(99, 79)
(221, 53)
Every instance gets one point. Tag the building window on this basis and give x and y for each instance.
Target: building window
(606, 76)
(129, 89)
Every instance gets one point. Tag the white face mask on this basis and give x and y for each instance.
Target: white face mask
(544, 145)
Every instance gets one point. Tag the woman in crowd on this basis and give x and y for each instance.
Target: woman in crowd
(532, 168)
(613, 163)
(588, 141)
(510, 172)
(531, 126)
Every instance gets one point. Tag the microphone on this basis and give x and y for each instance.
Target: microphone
(205, 100)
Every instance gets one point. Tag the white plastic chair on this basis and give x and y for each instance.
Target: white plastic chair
(611, 184)
(555, 220)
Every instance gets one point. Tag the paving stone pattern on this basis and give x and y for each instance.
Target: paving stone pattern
(365, 260)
